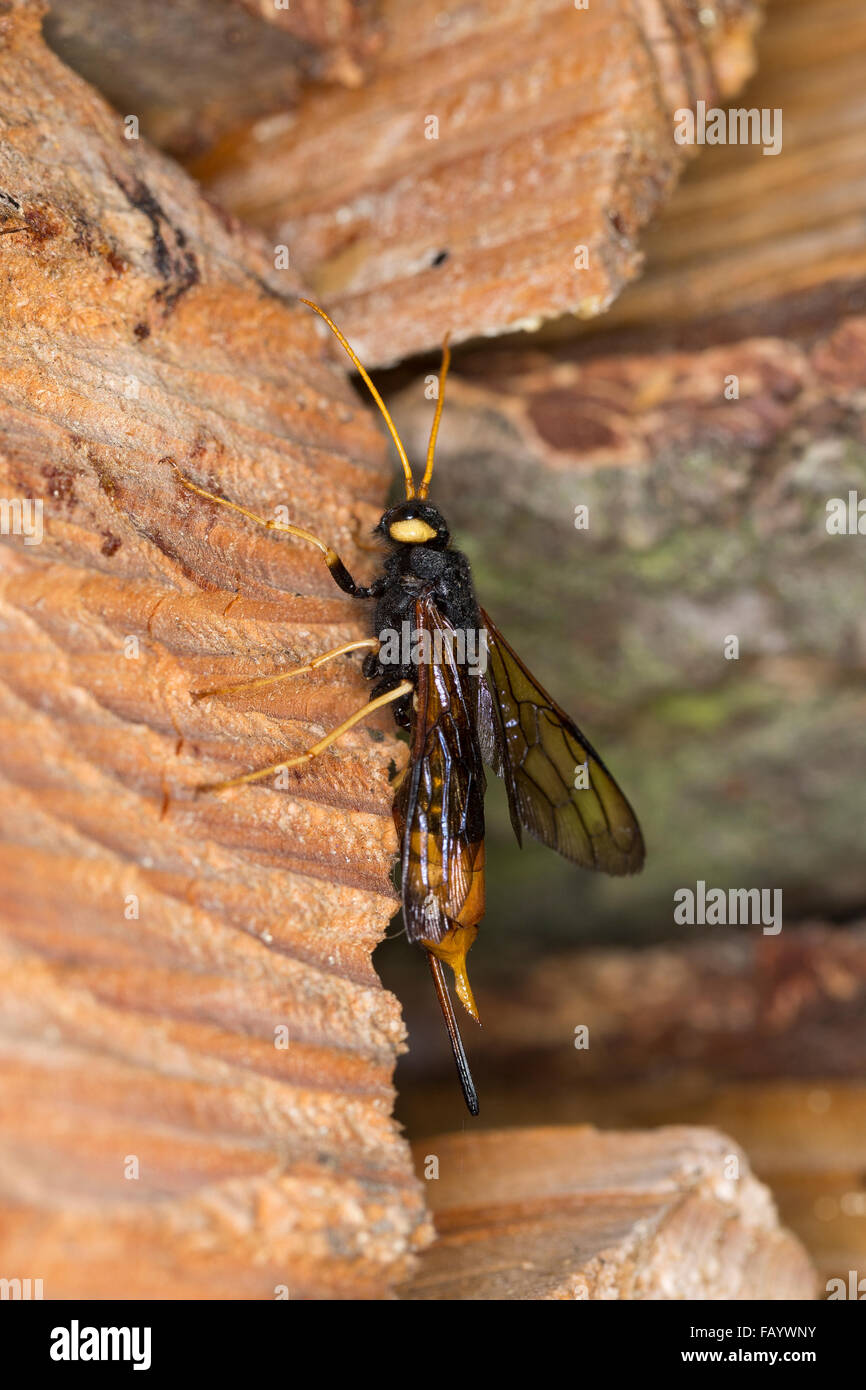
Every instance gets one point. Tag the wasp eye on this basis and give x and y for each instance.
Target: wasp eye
(413, 530)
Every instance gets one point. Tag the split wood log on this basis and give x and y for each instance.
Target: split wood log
(781, 234)
(192, 70)
(195, 1083)
(494, 171)
(764, 1041)
(580, 1214)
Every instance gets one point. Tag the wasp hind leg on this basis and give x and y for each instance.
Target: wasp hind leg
(397, 693)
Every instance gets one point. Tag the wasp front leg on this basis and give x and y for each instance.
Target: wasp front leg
(339, 573)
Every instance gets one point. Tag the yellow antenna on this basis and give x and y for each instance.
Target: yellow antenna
(431, 447)
(410, 482)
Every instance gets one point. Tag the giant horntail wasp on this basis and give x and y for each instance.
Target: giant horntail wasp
(459, 718)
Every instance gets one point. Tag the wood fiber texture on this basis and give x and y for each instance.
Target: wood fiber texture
(747, 234)
(554, 131)
(156, 1140)
(158, 946)
(576, 1213)
(191, 70)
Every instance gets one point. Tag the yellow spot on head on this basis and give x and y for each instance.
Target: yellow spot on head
(415, 531)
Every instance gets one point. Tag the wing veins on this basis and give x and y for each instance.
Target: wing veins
(603, 832)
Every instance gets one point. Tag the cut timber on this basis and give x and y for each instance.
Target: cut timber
(761, 1038)
(495, 170)
(191, 70)
(583, 1214)
(747, 231)
(195, 1052)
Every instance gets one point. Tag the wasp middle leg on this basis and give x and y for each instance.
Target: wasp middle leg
(367, 644)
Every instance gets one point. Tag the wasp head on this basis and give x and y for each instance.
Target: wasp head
(415, 523)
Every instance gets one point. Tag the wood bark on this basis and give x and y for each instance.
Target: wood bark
(454, 189)
(154, 941)
(196, 1052)
(571, 1214)
(780, 235)
(190, 71)
(742, 1008)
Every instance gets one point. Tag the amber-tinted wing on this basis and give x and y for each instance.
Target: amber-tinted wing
(439, 807)
(545, 760)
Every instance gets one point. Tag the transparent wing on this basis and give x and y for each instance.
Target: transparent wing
(558, 787)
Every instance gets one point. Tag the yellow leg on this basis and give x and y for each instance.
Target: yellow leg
(388, 698)
(363, 644)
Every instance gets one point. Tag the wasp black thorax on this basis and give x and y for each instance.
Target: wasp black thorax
(421, 561)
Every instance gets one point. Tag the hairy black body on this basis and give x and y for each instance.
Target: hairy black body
(412, 569)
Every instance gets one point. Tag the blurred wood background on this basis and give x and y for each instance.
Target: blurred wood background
(152, 320)
(573, 1213)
